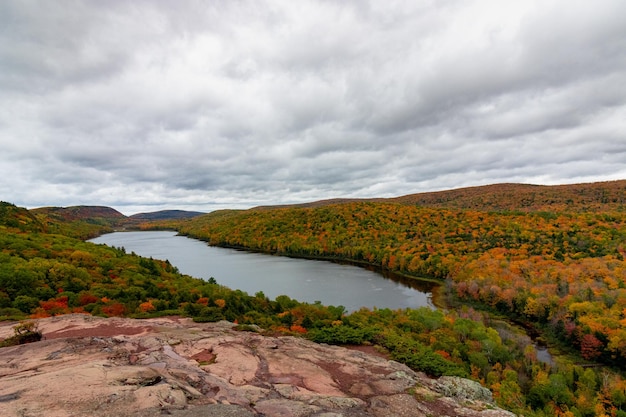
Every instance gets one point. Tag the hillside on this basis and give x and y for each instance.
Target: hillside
(85, 213)
(599, 196)
(82, 222)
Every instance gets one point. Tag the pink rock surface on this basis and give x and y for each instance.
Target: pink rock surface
(88, 366)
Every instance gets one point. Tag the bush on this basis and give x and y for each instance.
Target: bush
(209, 315)
(429, 362)
(25, 303)
(419, 357)
(25, 332)
(10, 313)
(342, 335)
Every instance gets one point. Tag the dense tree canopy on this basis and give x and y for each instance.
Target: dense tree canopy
(563, 270)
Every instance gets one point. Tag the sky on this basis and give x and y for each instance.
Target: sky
(205, 105)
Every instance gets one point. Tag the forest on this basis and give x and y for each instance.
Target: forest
(562, 271)
(555, 265)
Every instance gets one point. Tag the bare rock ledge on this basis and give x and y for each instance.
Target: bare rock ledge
(90, 366)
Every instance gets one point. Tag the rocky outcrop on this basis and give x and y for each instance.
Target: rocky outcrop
(111, 367)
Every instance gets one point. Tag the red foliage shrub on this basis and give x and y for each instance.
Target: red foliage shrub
(443, 354)
(39, 313)
(147, 306)
(55, 306)
(114, 310)
(87, 298)
(296, 328)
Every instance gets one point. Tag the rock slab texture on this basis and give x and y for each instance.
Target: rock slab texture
(88, 366)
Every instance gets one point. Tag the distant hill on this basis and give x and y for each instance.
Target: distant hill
(602, 196)
(80, 213)
(610, 195)
(81, 222)
(322, 203)
(85, 222)
(166, 215)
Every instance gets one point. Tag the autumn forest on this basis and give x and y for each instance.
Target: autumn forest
(548, 259)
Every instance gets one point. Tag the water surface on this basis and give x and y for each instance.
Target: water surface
(304, 280)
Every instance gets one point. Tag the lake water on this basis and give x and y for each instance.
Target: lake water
(304, 280)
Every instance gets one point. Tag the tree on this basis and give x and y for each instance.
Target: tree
(590, 347)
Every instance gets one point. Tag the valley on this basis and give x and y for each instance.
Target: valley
(546, 256)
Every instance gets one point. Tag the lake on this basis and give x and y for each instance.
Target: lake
(302, 279)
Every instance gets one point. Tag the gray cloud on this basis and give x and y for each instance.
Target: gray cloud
(203, 105)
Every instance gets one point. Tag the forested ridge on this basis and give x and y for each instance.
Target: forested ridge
(603, 196)
(609, 195)
(561, 270)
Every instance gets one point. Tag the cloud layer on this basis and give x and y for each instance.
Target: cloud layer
(147, 105)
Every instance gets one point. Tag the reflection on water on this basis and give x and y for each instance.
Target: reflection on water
(305, 280)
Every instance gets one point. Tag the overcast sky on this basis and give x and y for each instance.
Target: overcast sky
(200, 105)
